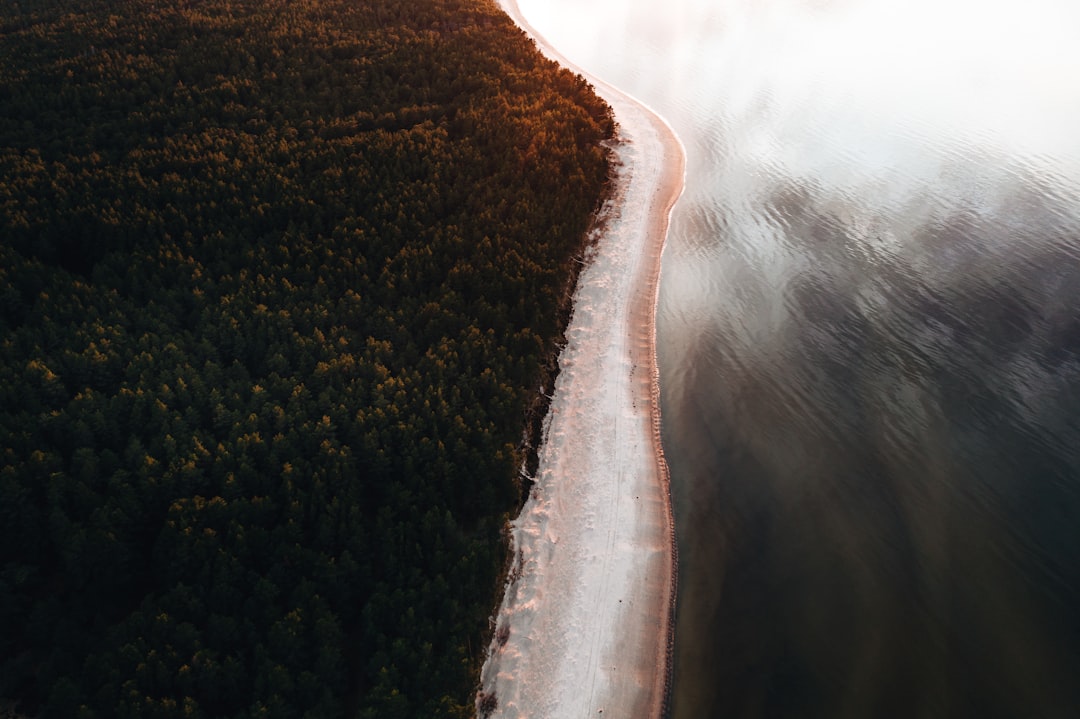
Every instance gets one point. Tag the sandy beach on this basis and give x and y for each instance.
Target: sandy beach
(585, 625)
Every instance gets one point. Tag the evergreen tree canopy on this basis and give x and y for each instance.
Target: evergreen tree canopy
(278, 281)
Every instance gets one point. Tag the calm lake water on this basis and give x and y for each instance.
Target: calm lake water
(869, 342)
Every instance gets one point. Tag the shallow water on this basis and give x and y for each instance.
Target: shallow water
(869, 340)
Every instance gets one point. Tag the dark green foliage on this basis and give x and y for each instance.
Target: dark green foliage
(277, 280)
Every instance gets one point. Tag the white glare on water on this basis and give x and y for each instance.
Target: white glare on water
(1002, 72)
(891, 114)
(871, 275)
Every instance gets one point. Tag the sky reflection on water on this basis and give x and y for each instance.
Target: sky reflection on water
(869, 346)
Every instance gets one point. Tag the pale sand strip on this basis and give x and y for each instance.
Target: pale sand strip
(585, 626)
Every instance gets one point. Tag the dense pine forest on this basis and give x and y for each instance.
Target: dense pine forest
(279, 281)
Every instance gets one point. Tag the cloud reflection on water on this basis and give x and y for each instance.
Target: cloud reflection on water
(870, 346)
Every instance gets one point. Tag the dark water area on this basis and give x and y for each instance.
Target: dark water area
(869, 343)
(881, 517)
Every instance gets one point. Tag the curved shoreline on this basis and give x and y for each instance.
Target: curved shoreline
(586, 624)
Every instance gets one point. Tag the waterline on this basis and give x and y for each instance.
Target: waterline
(869, 347)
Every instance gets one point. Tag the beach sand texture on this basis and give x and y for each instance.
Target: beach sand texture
(585, 625)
